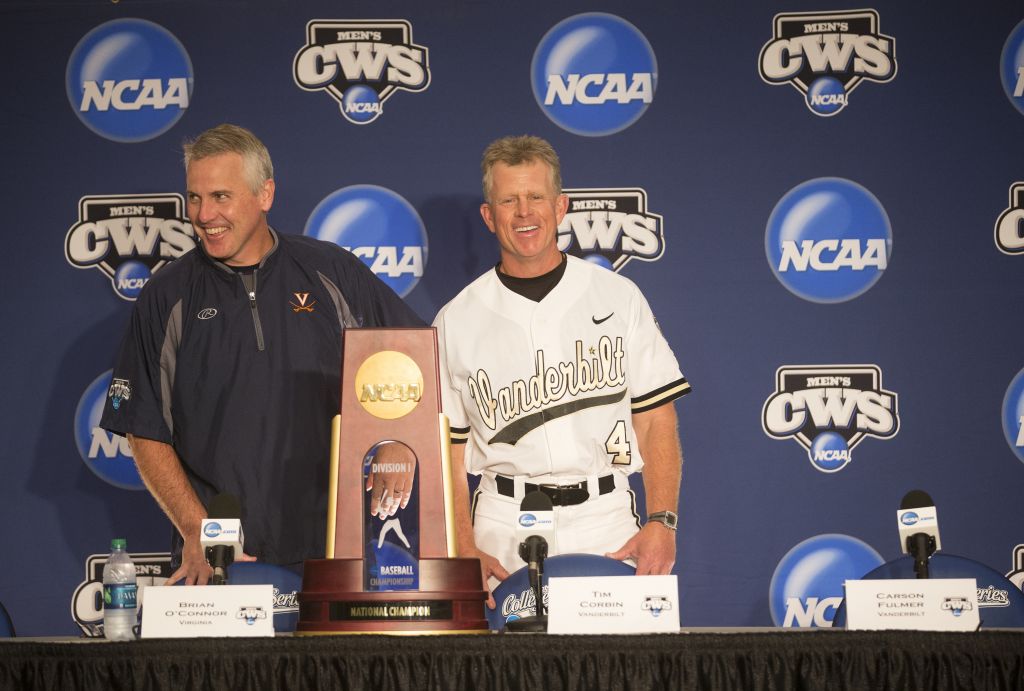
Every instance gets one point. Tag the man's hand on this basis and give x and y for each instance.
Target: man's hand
(390, 479)
(194, 569)
(489, 567)
(653, 549)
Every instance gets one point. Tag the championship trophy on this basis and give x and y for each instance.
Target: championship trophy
(389, 570)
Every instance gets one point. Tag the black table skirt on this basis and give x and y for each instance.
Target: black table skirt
(751, 661)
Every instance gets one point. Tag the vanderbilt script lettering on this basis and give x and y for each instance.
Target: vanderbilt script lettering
(600, 368)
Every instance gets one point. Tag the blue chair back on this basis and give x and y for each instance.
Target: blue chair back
(6, 625)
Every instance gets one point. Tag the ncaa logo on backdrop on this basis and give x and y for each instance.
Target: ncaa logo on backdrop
(828, 240)
(360, 64)
(129, 80)
(594, 74)
(1011, 67)
(107, 455)
(1010, 225)
(807, 585)
(128, 237)
(378, 226)
(1013, 415)
(825, 55)
(610, 226)
(829, 409)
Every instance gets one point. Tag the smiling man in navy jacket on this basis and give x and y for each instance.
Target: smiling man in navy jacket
(228, 377)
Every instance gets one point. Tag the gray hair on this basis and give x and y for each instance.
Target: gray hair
(224, 139)
(514, 151)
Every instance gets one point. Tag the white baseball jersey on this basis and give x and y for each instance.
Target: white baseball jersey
(547, 389)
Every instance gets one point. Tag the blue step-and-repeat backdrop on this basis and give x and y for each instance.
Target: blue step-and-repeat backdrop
(823, 202)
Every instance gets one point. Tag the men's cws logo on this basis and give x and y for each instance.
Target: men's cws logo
(378, 226)
(610, 226)
(1013, 415)
(825, 55)
(105, 454)
(1011, 67)
(807, 585)
(828, 240)
(1010, 225)
(594, 74)
(129, 80)
(361, 63)
(829, 409)
(128, 237)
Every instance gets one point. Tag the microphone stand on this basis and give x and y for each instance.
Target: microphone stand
(535, 549)
(922, 546)
(220, 558)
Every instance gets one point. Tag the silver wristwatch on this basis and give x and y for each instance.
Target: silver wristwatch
(669, 519)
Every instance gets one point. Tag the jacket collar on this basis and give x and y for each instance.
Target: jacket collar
(265, 262)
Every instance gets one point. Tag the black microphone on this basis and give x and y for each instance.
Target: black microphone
(535, 525)
(221, 535)
(919, 529)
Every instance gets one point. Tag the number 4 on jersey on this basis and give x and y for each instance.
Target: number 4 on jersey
(617, 445)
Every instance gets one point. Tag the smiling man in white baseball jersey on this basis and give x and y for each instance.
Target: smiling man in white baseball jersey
(555, 376)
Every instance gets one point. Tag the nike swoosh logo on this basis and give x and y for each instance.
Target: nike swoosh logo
(601, 321)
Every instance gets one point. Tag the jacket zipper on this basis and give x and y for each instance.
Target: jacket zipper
(252, 306)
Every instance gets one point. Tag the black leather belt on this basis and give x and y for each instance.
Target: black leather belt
(561, 495)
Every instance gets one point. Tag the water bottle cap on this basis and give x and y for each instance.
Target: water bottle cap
(118, 543)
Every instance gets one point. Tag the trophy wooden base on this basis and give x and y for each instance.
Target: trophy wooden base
(450, 600)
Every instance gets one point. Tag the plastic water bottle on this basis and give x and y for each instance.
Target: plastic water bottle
(119, 591)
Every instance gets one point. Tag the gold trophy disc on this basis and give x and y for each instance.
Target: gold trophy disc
(389, 384)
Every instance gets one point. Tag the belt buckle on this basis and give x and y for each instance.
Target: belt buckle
(560, 493)
(553, 491)
(575, 485)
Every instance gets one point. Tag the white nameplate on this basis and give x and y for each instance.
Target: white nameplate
(613, 604)
(200, 611)
(925, 604)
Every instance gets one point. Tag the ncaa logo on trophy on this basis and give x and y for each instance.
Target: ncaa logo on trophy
(391, 564)
(389, 385)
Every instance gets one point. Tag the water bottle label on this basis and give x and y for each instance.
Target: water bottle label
(119, 596)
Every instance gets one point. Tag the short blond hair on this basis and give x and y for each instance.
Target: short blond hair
(514, 151)
(225, 139)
